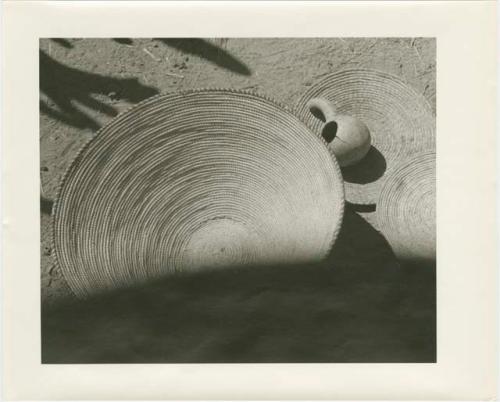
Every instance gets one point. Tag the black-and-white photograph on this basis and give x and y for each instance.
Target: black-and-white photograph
(238, 200)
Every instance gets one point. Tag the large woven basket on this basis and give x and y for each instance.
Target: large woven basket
(401, 122)
(195, 180)
(406, 210)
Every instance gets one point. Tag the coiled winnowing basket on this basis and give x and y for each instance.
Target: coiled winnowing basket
(406, 210)
(400, 121)
(199, 179)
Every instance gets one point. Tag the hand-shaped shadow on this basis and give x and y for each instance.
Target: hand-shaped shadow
(66, 88)
(212, 52)
(208, 51)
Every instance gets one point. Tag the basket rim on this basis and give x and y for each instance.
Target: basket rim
(264, 97)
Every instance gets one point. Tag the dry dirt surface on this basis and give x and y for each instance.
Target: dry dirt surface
(364, 307)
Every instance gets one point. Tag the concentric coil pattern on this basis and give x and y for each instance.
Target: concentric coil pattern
(195, 180)
(400, 121)
(406, 210)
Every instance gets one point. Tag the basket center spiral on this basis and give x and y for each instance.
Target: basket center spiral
(221, 243)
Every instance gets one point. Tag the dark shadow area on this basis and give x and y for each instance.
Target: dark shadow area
(359, 244)
(360, 305)
(208, 51)
(369, 169)
(361, 207)
(66, 87)
(123, 41)
(45, 205)
(63, 42)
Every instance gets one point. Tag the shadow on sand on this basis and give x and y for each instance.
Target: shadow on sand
(66, 89)
(360, 305)
(208, 51)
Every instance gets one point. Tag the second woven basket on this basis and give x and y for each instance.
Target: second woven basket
(195, 180)
(400, 122)
(406, 210)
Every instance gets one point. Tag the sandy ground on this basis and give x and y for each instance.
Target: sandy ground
(361, 305)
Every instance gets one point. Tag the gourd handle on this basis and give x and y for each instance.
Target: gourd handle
(322, 109)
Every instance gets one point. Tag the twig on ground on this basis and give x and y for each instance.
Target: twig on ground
(415, 48)
(418, 55)
(174, 75)
(151, 54)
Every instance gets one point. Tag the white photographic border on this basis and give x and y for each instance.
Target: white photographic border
(467, 281)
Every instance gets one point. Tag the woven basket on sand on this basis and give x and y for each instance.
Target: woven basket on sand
(193, 180)
(400, 121)
(406, 210)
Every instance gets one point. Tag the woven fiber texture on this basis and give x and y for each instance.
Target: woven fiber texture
(400, 121)
(195, 180)
(406, 210)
